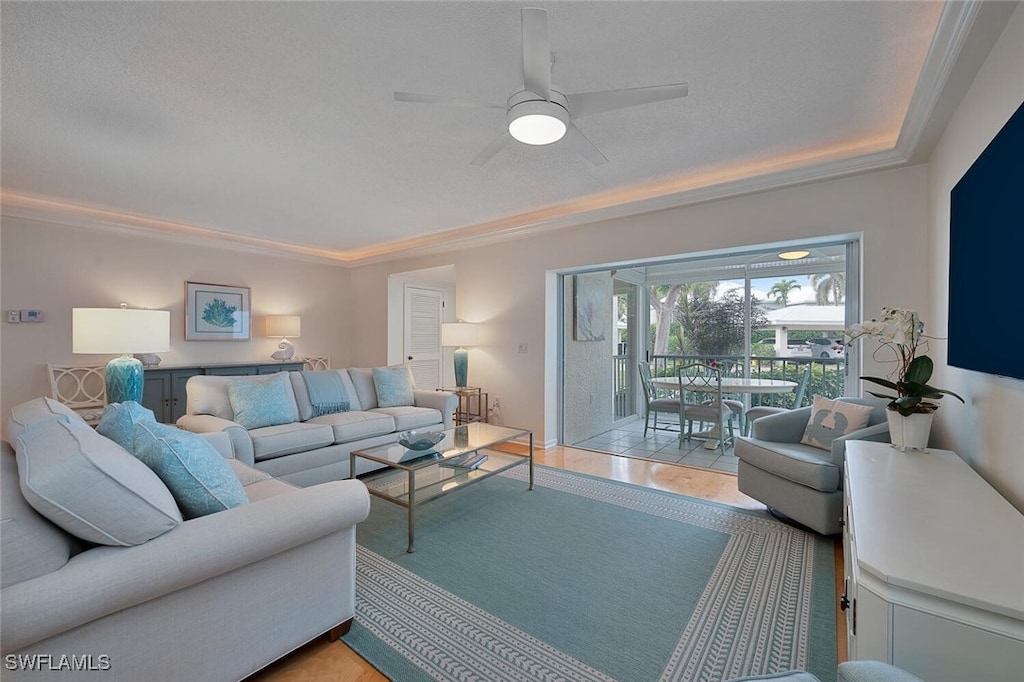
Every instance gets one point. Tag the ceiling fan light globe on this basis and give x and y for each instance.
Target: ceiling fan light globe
(537, 129)
(536, 121)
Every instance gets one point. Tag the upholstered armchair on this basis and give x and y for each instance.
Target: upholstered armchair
(802, 482)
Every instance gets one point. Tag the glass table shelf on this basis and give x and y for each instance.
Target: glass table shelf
(411, 478)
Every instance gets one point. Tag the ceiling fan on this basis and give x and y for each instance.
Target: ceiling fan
(538, 114)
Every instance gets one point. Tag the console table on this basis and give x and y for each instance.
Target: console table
(163, 388)
(934, 566)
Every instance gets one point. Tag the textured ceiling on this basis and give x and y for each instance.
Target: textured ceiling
(276, 120)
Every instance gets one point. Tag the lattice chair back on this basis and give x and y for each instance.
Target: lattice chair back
(646, 382)
(317, 362)
(701, 389)
(83, 388)
(801, 391)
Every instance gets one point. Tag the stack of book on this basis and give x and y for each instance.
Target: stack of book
(467, 460)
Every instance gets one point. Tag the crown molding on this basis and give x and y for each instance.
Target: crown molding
(58, 212)
(690, 190)
(811, 166)
(951, 34)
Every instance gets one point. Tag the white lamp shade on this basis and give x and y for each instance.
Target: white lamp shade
(283, 326)
(120, 330)
(459, 334)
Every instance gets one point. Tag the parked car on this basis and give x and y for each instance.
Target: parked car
(826, 348)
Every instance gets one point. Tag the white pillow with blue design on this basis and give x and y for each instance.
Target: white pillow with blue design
(831, 419)
(263, 401)
(119, 419)
(394, 386)
(198, 477)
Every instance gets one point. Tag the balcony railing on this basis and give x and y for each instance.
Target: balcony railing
(828, 376)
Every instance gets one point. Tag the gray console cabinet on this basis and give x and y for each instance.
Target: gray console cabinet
(163, 388)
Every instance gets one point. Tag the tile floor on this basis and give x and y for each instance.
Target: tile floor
(660, 446)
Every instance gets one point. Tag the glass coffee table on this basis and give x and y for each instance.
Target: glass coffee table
(413, 478)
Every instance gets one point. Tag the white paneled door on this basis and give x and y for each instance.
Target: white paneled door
(423, 335)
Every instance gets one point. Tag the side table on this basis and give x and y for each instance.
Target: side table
(473, 404)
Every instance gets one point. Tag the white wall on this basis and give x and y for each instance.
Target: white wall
(55, 268)
(504, 286)
(988, 432)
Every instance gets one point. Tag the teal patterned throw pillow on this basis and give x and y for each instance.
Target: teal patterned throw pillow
(394, 386)
(119, 419)
(199, 479)
(266, 401)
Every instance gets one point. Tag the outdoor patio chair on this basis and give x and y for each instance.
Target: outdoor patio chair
(765, 410)
(700, 387)
(656, 403)
(730, 368)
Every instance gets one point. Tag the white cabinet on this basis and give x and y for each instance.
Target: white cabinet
(934, 566)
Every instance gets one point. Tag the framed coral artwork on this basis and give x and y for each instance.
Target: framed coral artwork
(214, 312)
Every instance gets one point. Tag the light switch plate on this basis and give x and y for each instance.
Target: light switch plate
(13, 316)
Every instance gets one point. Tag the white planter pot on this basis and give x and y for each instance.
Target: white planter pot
(910, 432)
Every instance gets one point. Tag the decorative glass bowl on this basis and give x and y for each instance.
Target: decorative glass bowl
(416, 440)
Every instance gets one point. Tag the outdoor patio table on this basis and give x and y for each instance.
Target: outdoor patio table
(729, 385)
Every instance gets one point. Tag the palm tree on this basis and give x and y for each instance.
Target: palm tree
(780, 290)
(829, 286)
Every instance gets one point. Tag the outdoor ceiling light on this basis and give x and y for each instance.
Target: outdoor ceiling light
(794, 255)
(537, 121)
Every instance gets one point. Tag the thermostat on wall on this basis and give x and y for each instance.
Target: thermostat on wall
(32, 315)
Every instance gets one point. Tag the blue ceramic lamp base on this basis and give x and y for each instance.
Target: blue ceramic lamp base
(124, 380)
(461, 356)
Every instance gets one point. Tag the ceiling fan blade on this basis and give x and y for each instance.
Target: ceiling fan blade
(441, 99)
(493, 148)
(579, 143)
(536, 52)
(586, 103)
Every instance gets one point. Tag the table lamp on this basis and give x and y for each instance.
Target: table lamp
(125, 331)
(460, 334)
(283, 327)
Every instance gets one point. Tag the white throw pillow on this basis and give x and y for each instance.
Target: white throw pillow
(831, 419)
(92, 487)
(38, 410)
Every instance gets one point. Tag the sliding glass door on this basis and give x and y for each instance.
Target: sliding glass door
(765, 312)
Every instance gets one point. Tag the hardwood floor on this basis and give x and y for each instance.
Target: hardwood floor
(330, 661)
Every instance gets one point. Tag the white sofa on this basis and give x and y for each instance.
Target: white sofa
(215, 598)
(314, 449)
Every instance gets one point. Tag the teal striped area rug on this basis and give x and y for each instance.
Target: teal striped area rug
(589, 579)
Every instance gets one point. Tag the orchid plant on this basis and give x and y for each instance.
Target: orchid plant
(901, 332)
